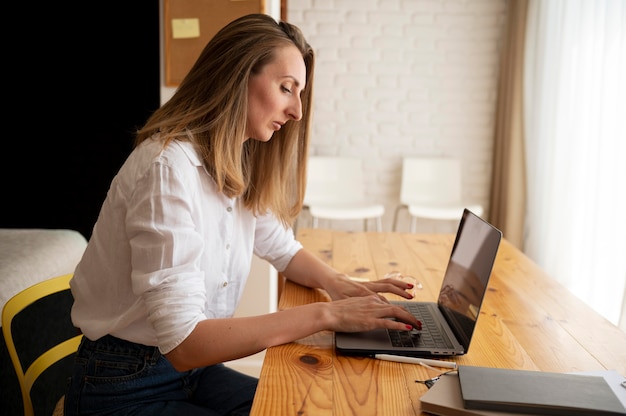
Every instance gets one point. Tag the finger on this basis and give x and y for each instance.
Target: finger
(397, 288)
(396, 325)
(401, 314)
(401, 324)
(405, 283)
(410, 319)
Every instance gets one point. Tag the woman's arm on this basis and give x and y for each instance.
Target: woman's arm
(355, 307)
(219, 340)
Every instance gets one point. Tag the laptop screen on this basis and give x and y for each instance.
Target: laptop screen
(467, 274)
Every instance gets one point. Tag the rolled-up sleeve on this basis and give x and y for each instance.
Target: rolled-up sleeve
(275, 243)
(166, 254)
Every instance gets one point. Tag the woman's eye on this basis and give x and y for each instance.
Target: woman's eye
(285, 89)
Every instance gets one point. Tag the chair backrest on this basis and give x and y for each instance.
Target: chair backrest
(334, 180)
(431, 181)
(41, 342)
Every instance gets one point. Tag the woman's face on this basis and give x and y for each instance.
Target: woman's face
(274, 94)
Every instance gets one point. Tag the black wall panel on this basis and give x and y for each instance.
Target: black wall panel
(80, 78)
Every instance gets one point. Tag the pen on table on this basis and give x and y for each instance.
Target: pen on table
(415, 360)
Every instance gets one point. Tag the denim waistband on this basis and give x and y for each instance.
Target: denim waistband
(111, 344)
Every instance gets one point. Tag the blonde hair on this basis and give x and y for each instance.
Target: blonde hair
(209, 108)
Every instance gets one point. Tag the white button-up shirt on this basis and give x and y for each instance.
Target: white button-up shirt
(169, 250)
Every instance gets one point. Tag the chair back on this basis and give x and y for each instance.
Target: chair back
(435, 181)
(41, 342)
(336, 191)
(334, 180)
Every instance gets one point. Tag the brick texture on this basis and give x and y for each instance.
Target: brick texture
(398, 78)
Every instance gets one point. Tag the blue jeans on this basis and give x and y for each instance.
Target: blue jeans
(112, 376)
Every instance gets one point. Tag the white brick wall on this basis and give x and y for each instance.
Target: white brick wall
(399, 78)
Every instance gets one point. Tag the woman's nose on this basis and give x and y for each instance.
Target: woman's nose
(295, 110)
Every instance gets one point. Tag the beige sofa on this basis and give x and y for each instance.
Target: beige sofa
(28, 256)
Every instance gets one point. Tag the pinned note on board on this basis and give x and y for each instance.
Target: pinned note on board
(190, 24)
(185, 28)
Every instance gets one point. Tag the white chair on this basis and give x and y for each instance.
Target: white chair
(432, 189)
(336, 191)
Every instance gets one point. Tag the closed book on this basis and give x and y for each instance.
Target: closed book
(537, 392)
(444, 399)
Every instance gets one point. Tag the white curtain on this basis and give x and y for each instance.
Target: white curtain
(575, 122)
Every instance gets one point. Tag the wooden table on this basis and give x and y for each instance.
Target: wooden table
(528, 321)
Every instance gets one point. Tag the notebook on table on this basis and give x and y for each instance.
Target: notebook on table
(448, 324)
(537, 392)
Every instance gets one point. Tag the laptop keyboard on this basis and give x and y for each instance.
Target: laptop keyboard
(430, 336)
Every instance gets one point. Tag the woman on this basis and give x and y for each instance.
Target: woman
(217, 174)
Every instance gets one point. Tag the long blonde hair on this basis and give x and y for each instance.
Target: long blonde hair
(209, 108)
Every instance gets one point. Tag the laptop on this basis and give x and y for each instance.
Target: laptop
(448, 324)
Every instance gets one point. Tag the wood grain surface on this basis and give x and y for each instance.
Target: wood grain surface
(527, 321)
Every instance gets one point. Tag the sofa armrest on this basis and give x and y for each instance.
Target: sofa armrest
(29, 256)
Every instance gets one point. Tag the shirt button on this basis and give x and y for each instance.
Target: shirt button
(227, 246)
(229, 209)
(224, 284)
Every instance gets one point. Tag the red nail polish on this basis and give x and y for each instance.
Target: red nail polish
(409, 327)
(410, 285)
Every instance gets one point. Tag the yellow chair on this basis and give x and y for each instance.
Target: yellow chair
(41, 342)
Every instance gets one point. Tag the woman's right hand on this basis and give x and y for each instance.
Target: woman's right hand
(365, 313)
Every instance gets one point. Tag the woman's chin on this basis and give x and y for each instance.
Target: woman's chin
(263, 139)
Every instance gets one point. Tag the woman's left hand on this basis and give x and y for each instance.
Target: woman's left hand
(343, 287)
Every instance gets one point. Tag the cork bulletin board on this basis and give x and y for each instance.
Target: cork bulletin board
(190, 24)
